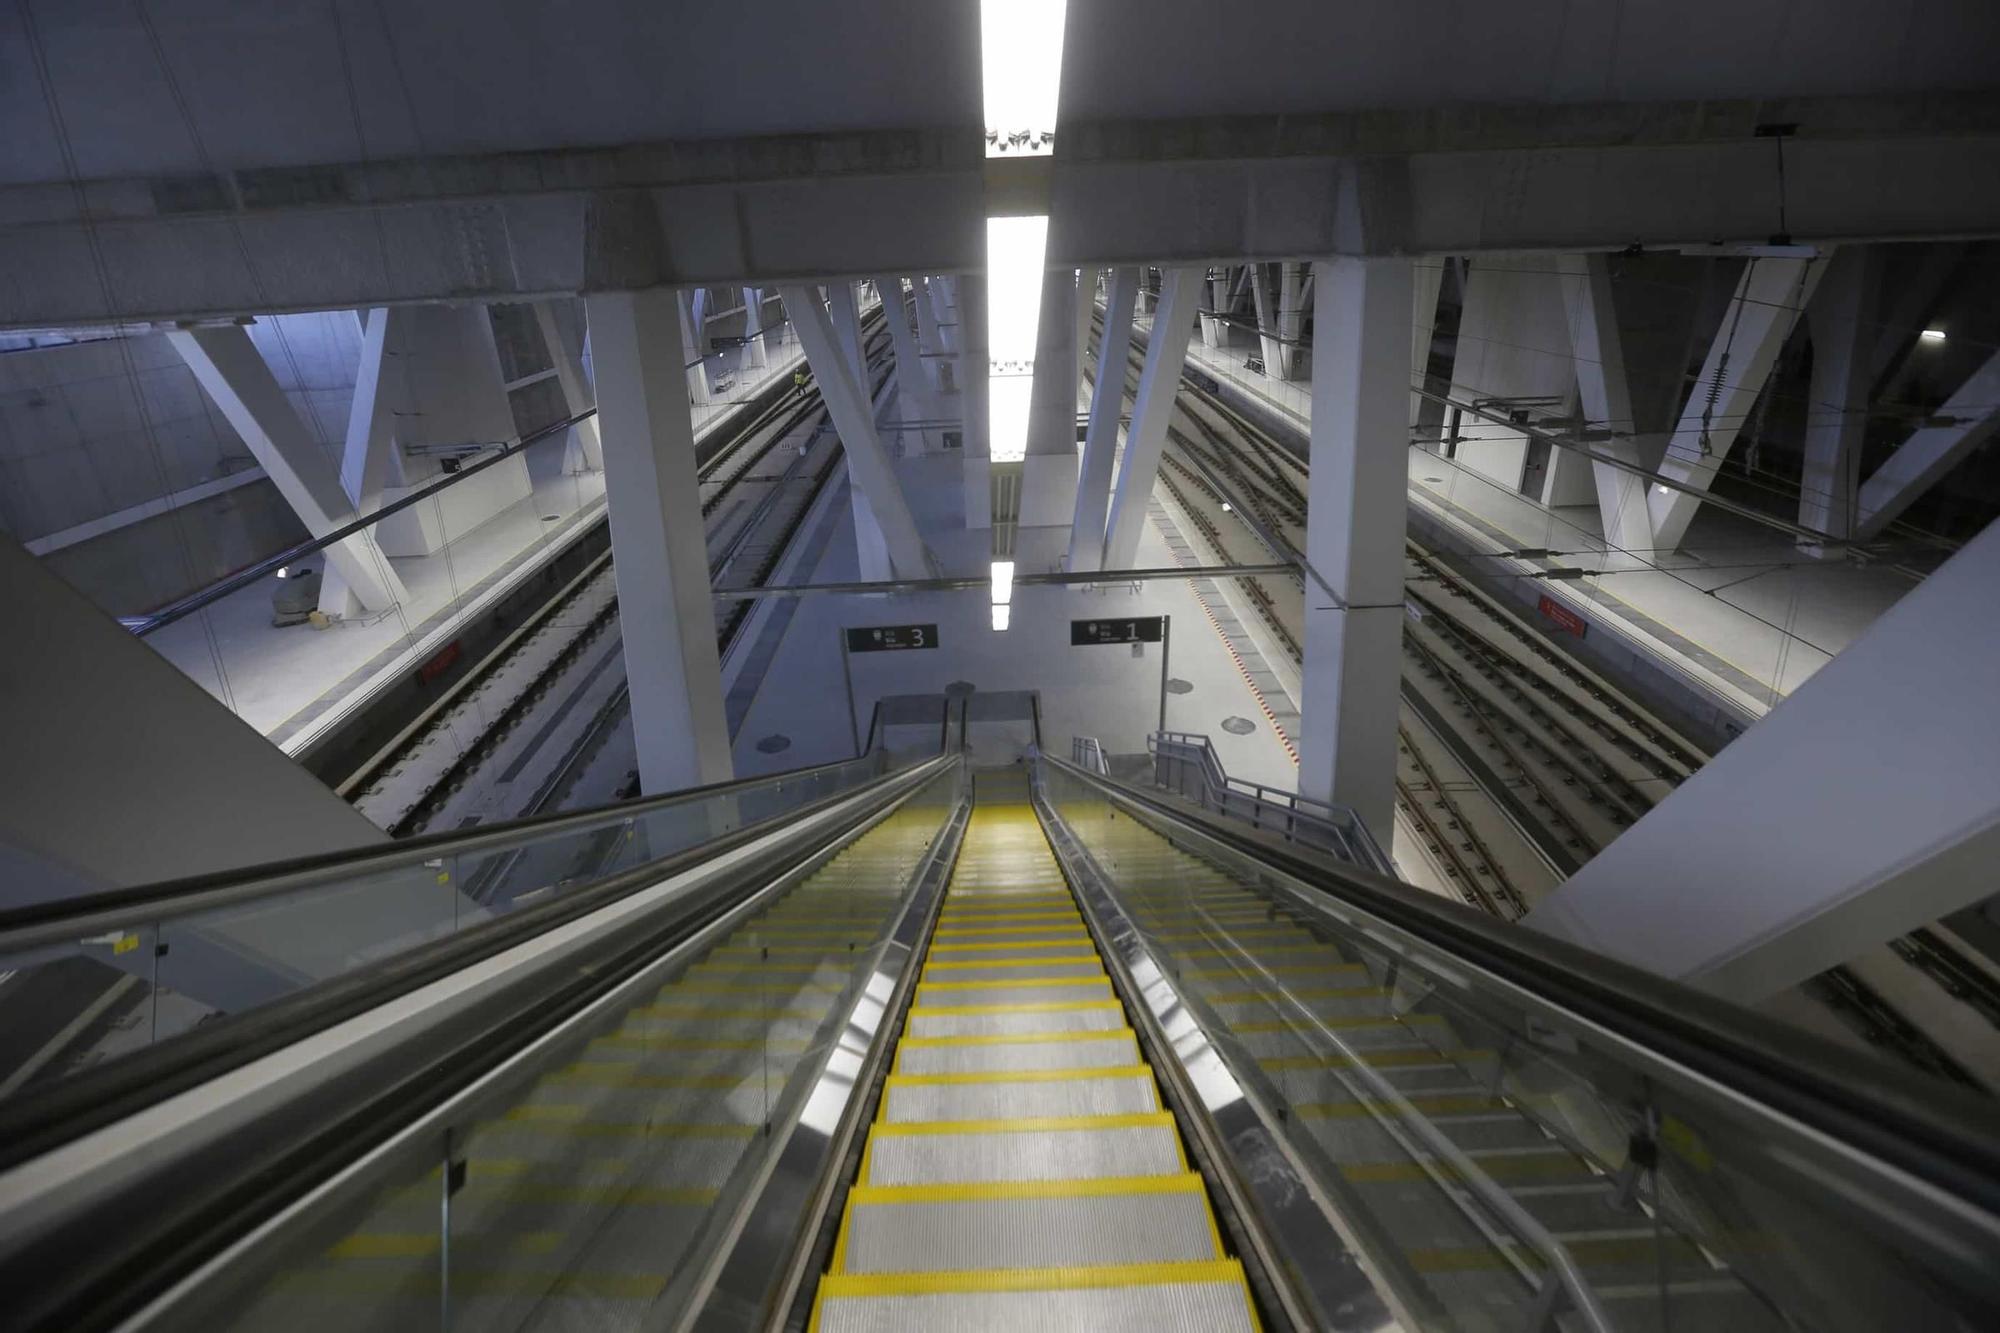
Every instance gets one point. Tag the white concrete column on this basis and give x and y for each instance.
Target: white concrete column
(976, 476)
(371, 459)
(692, 355)
(585, 451)
(1426, 278)
(660, 558)
(870, 544)
(1291, 316)
(1841, 323)
(914, 390)
(1605, 401)
(1107, 405)
(1513, 343)
(236, 376)
(951, 320)
(1048, 470)
(868, 466)
(1214, 304)
(1973, 414)
(699, 305)
(1354, 538)
(1865, 805)
(1152, 410)
(448, 387)
(1770, 296)
(930, 341)
(755, 352)
(1268, 344)
(1086, 314)
(120, 770)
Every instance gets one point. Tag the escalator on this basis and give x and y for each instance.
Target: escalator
(912, 1045)
(1021, 1171)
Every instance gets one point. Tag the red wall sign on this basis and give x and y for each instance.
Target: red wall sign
(1565, 619)
(443, 658)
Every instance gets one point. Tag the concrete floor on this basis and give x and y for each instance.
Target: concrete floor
(292, 683)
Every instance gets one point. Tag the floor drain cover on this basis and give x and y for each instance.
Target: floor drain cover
(1238, 726)
(1179, 686)
(774, 743)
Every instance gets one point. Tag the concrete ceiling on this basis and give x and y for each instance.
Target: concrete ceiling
(292, 82)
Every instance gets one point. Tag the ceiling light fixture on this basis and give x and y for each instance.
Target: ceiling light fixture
(1003, 582)
(1015, 249)
(1020, 62)
(1932, 335)
(1000, 617)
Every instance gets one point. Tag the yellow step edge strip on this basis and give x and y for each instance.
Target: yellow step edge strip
(988, 1280)
(1018, 983)
(1019, 1076)
(1058, 960)
(997, 946)
(1087, 1188)
(1097, 1187)
(1014, 1039)
(1039, 916)
(1026, 1125)
(1053, 920)
(1047, 1007)
(1010, 1039)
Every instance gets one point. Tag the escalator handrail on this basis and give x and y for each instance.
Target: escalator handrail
(67, 919)
(34, 1119)
(122, 1239)
(1939, 1135)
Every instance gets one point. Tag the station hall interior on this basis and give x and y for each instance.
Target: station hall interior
(998, 664)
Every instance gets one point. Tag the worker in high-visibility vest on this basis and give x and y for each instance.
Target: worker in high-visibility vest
(799, 378)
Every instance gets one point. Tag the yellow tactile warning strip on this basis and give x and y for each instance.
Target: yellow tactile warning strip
(1021, 1168)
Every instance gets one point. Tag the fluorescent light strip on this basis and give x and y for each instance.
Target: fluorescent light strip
(1001, 617)
(1003, 582)
(1020, 63)
(1015, 251)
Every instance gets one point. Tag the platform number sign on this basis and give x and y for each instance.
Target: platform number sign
(891, 638)
(1142, 629)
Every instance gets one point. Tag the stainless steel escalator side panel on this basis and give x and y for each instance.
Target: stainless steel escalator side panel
(795, 1196)
(74, 1177)
(1313, 1269)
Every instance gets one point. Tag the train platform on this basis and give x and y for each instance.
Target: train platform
(1738, 614)
(1113, 693)
(295, 683)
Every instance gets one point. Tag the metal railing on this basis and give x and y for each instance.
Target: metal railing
(1711, 1123)
(1186, 764)
(1086, 753)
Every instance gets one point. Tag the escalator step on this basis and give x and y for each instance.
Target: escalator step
(933, 996)
(1038, 1050)
(932, 1228)
(994, 1020)
(1043, 1094)
(977, 1151)
(1139, 1298)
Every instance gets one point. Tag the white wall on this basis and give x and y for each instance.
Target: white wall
(100, 428)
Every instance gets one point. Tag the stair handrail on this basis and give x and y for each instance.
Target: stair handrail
(1277, 809)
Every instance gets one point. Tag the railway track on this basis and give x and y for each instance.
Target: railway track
(1515, 764)
(539, 722)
